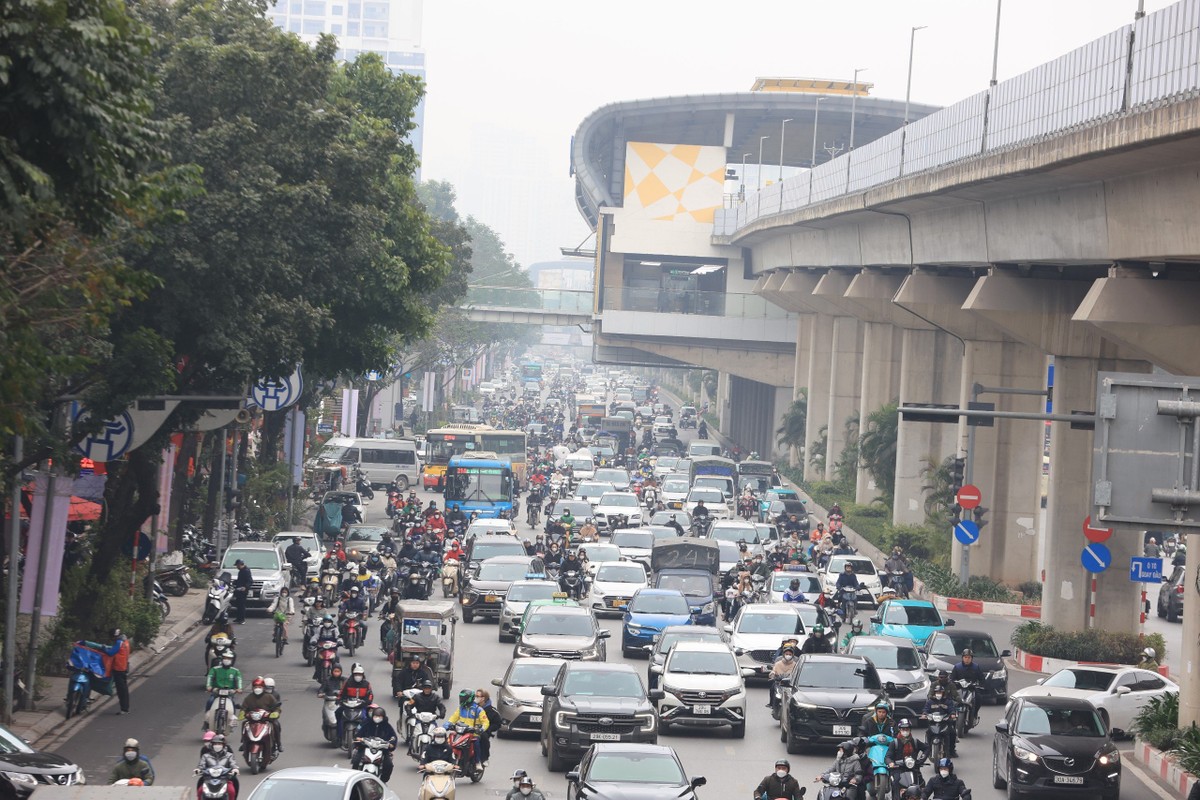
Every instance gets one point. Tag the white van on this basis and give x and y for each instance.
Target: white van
(381, 461)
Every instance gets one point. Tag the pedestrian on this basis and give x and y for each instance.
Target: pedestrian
(119, 653)
(241, 590)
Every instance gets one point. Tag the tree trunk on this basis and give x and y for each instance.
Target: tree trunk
(216, 475)
(366, 399)
(272, 436)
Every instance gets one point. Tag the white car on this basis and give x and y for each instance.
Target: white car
(341, 496)
(704, 687)
(730, 555)
(864, 570)
(737, 531)
(636, 543)
(674, 492)
(759, 629)
(308, 540)
(582, 466)
(618, 477)
(713, 499)
(1119, 692)
(664, 466)
(617, 504)
(591, 491)
(613, 586)
(597, 553)
(663, 428)
(810, 585)
(491, 527)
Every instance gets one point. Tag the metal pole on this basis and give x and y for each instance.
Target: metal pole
(970, 414)
(1141, 12)
(996, 45)
(35, 621)
(968, 469)
(221, 541)
(912, 40)
(742, 191)
(854, 105)
(782, 133)
(761, 139)
(816, 119)
(10, 611)
(292, 457)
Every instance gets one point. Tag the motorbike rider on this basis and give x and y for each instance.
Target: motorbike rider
(356, 688)
(781, 670)
(906, 745)
(779, 785)
(702, 431)
(1148, 660)
(437, 749)
(436, 524)
(674, 524)
(588, 531)
(968, 670)
(470, 714)
(940, 702)
(427, 701)
(260, 698)
(132, 766)
(700, 512)
(356, 602)
(297, 555)
(332, 687)
(523, 789)
(455, 551)
(376, 726)
(430, 510)
(817, 642)
(350, 514)
(847, 580)
(410, 676)
(847, 764)
(856, 629)
(944, 785)
(792, 594)
(570, 563)
(218, 754)
(222, 676)
(879, 722)
(456, 516)
(898, 562)
(281, 608)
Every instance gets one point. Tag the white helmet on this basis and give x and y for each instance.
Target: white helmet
(1149, 653)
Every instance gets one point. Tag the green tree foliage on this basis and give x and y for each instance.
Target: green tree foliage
(795, 422)
(819, 446)
(939, 492)
(846, 467)
(877, 447)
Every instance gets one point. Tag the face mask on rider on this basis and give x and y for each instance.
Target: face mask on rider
(525, 790)
(228, 662)
(378, 720)
(781, 773)
(131, 755)
(788, 656)
(218, 749)
(945, 773)
(258, 690)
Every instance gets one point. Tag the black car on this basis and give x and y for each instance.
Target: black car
(631, 772)
(826, 698)
(944, 649)
(1170, 595)
(482, 593)
(591, 702)
(1055, 745)
(23, 769)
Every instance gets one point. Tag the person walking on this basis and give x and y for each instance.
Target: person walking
(241, 590)
(119, 652)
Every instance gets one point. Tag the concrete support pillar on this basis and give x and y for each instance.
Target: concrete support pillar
(820, 361)
(845, 386)
(804, 330)
(1189, 656)
(781, 403)
(931, 365)
(880, 385)
(722, 404)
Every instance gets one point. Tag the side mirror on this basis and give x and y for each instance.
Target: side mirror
(699, 781)
(1123, 690)
(1039, 681)
(1002, 726)
(747, 672)
(654, 695)
(549, 691)
(876, 620)
(573, 776)
(949, 623)
(657, 669)
(604, 634)
(497, 682)
(1005, 653)
(728, 629)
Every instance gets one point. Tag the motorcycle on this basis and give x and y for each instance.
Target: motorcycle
(160, 600)
(573, 582)
(175, 580)
(834, 786)
(463, 741)
(308, 650)
(897, 582)
(937, 735)
(258, 740)
(363, 487)
(418, 726)
(450, 577)
(372, 752)
(87, 665)
(350, 712)
(906, 773)
(352, 632)
(326, 658)
(416, 586)
(219, 597)
(221, 713)
(876, 766)
(702, 433)
(330, 585)
(438, 781)
(216, 783)
(966, 705)
(747, 507)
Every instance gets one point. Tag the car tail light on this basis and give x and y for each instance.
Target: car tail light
(1179, 590)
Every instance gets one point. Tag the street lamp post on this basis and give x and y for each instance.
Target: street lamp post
(742, 191)
(996, 45)
(854, 104)
(912, 40)
(782, 132)
(816, 118)
(761, 139)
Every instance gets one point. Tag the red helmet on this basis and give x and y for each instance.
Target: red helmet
(258, 682)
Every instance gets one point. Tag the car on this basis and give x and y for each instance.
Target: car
(738, 532)
(592, 491)
(864, 570)
(483, 591)
(309, 541)
(720, 482)
(321, 783)
(701, 448)
(1171, 594)
(674, 492)
(23, 769)
(618, 477)
(774, 494)
(583, 468)
(730, 555)
(558, 600)
(703, 686)
(714, 501)
(648, 613)
(664, 517)
(268, 571)
(481, 548)
(590, 702)
(826, 698)
(758, 631)
(810, 584)
(775, 507)
(490, 527)
(1056, 746)
(617, 510)
(614, 585)
(1119, 692)
(672, 634)
(664, 428)
(901, 669)
(561, 631)
(519, 595)
(581, 512)
(362, 540)
(340, 496)
(914, 620)
(596, 553)
(635, 543)
(944, 650)
(664, 465)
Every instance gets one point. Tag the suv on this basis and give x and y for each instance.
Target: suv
(617, 510)
(826, 697)
(703, 686)
(900, 668)
(483, 591)
(268, 571)
(1170, 595)
(566, 632)
(481, 548)
(594, 702)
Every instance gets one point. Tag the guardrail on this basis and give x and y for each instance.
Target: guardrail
(712, 304)
(1151, 60)
(562, 301)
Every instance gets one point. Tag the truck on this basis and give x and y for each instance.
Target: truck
(621, 429)
(591, 414)
(691, 566)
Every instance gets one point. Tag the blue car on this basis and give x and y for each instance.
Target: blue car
(648, 612)
(914, 620)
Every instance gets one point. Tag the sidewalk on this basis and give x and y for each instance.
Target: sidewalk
(49, 718)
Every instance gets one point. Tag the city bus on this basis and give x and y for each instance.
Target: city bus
(531, 371)
(480, 483)
(441, 444)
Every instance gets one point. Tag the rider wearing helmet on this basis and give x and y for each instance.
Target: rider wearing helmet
(856, 629)
(376, 726)
(357, 686)
(847, 764)
(409, 676)
(222, 676)
(944, 785)
(133, 766)
(218, 754)
(968, 670)
(427, 701)
(437, 749)
(780, 783)
(792, 594)
(781, 670)
(469, 713)
(260, 698)
(879, 722)
(523, 789)
(817, 641)
(906, 745)
(940, 702)
(1149, 660)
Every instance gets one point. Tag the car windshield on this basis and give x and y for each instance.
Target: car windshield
(619, 500)
(552, 624)
(621, 573)
(485, 550)
(602, 683)
(664, 517)
(365, 533)
(734, 533)
(584, 464)
(699, 635)
(601, 552)
(635, 768)
(502, 571)
(1086, 679)
(953, 645)
(782, 580)
(729, 552)
(1037, 721)
(675, 487)
(659, 604)
(836, 675)
(283, 788)
(341, 498)
(532, 591)
(665, 462)
(884, 657)
(578, 508)
(707, 495)
(10, 743)
(690, 585)
(810, 613)
(588, 489)
(861, 566)
(912, 615)
(691, 662)
(770, 622)
(720, 484)
(524, 673)
(628, 538)
(617, 477)
(255, 559)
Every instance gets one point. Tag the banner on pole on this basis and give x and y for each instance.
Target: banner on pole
(57, 507)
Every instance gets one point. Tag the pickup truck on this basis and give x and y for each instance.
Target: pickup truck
(690, 566)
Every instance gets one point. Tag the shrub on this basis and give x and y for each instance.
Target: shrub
(1158, 722)
(1087, 645)
(1187, 749)
(1032, 590)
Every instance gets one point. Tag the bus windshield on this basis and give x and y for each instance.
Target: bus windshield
(480, 485)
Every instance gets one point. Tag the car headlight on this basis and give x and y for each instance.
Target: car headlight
(563, 719)
(1024, 754)
(801, 704)
(511, 702)
(21, 778)
(590, 652)
(648, 721)
(633, 626)
(919, 685)
(998, 674)
(1107, 758)
(708, 608)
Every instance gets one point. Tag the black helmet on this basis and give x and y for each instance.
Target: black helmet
(848, 746)
(968, 652)
(783, 762)
(795, 584)
(426, 684)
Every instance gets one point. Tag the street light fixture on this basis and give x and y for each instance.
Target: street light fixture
(854, 104)
(912, 39)
(816, 118)
(782, 132)
(761, 139)
(996, 46)
(742, 190)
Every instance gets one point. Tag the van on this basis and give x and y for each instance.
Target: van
(381, 461)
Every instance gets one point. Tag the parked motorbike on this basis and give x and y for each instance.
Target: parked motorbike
(86, 667)
(438, 781)
(258, 740)
(216, 783)
(160, 599)
(363, 487)
(175, 580)
(463, 741)
(219, 597)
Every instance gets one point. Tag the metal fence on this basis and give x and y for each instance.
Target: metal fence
(709, 304)
(1155, 59)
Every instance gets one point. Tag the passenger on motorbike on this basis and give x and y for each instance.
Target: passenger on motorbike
(411, 676)
(523, 789)
(940, 702)
(218, 754)
(792, 594)
(879, 722)
(376, 726)
(437, 749)
(906, 745)
(817, 642)
(847, 764)
(260, 698)
(945, 785)
(470, 714)
(781, 670)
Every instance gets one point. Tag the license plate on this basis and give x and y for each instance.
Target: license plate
(702, 710)
(491, 598)
(606, 737)
(535, 717)
(1071, 780)
(841, 730)
(619, 603)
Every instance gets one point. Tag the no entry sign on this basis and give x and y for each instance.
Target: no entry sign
(1095, 534)
(969, 496)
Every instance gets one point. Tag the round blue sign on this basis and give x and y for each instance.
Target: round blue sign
(1095, 557)
(966, 532)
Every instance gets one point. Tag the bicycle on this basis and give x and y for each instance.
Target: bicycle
(278, 637)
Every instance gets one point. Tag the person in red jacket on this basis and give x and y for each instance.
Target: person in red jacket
(119, 652)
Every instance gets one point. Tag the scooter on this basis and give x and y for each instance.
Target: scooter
(574, 584)
(350, 711)
(906, 773)
(450, 577)
(937, 735)
(218, 599)
(463, 741)
(83, 663)
(352, 632)
(966, 705)
(363, 487)
(876, 756)
(216, 783)
(326, 658)
(258, 740)
(221, 713)
(438, 781)
(175, 580)
(329, 718)
(219, 647)
(834, 787)
(371, 755)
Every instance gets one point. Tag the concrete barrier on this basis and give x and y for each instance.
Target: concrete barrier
(1163, 767)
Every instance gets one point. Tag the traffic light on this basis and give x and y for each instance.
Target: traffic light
(977, 514)
(958, 468)
(955, 514)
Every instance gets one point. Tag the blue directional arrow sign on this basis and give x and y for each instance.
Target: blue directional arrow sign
(1095, 557)
(1145, 570)
(967, 532)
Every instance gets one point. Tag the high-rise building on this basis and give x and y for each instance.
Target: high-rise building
(391, 28)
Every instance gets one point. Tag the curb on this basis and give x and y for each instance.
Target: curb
(1164, 768)
(1047, 666)
(992, 609)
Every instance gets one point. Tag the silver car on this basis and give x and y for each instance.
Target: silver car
(517, 599)
(566, 632)
(519, 700)
(901, 669)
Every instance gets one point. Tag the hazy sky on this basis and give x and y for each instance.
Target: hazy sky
(509, 82)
